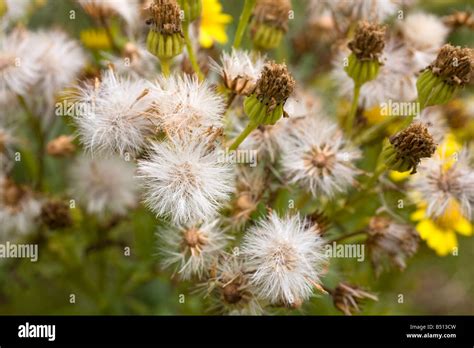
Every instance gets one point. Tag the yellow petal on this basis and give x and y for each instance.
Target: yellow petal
(463, 226)
(418, 214)
(427, 229)
(205, 39)
(399, 176)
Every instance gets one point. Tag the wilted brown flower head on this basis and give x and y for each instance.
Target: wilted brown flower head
(459, 19)
(454, 65)
(347, 298)
(61, 146)
(275, 83)
(97, 9)
(273, 12)
(320, 221)
(55, 215)
(392, 242)
(369, 41)
(456, 114)
(165, 17)
(12, 194)
(412, 144)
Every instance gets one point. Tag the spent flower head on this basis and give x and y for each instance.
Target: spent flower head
(192, 249)
(285, 256)
(184, 179)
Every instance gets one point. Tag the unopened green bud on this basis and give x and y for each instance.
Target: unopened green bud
(269, 23)
(362, 71)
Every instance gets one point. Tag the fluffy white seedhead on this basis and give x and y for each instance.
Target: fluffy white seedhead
(104, 185)
(16, 9)
(285, 256)
(185, 105)
(136, 62)
(266, 140)
(435, 120)
(395, 81)
(19, 68)
(239, 68)
(192, 249)
(424, 34)
(18, 210)
(60, 63)
(316, 156)
(114, 115)
(423, 31)
(439, 183)
(185, 180)
(128, 10)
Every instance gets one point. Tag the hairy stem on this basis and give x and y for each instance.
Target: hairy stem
(243, 21)
(250, 127)
(346, 236)
(352, 113)
(191, 53)
(165, 67)
(105, 24)
(35, 123)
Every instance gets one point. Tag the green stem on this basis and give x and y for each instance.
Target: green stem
(345, 236)
(35, 122)
(105, 24)
(352, 113)
(371, 133)
(191, 54)
(165, 67)
(250, 127)
(243, 21)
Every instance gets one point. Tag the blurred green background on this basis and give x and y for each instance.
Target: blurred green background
(105, 281)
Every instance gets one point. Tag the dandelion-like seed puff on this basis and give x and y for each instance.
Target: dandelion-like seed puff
(285, 255)
(185, 180)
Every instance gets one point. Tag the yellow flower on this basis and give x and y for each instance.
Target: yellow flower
(440, 232)
(95, 39)
(448, 151)
(213, 23)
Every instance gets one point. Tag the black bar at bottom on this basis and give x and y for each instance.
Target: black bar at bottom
(143, 330)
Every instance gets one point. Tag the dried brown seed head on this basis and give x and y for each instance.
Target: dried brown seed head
(347, 298)
(13, 194)
(165, 17)
(390, 241)
(413, 143)
(459, 19)
(61, 146)
(454, 65)
(275, 83)
(231, 293)
(369, 41)
(194, 240)
(56, 215)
